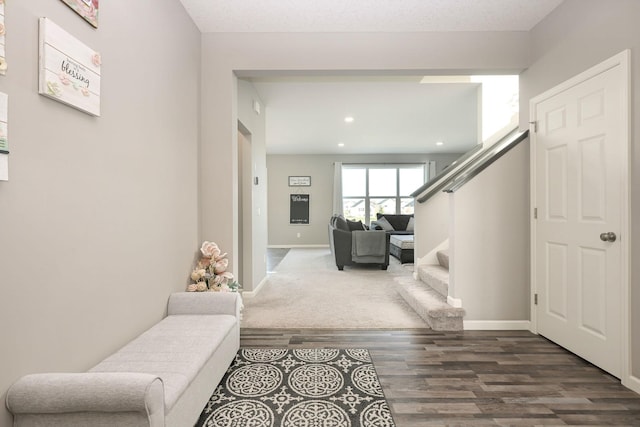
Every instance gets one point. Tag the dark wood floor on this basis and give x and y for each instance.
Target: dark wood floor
(472, 378)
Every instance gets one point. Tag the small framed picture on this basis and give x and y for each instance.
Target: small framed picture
(299, 181)
(88, 9)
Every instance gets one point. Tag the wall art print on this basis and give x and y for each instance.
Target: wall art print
(4, 119)
(88, 9)
(4, 138)
(3, 61)
(69, 70)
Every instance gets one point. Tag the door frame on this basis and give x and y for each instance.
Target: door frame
(622, 60)
(245, 206)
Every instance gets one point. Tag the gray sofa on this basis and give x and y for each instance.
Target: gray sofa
(352, 244)
(397, 224)
(400, 227)
(163, 378)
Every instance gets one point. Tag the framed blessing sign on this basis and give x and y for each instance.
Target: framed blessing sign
(69, 69)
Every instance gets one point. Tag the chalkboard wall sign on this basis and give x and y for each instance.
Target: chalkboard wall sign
(299, 209)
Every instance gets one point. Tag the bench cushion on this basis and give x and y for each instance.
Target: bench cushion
(175, 350)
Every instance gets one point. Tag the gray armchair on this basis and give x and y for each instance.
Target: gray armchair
(355, 245)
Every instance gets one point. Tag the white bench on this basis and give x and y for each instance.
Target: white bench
(164, 377)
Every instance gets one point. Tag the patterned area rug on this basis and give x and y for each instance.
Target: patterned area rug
(299, 388)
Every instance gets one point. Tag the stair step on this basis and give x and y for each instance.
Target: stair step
(430, 305)
(443, 258)
(435, 276)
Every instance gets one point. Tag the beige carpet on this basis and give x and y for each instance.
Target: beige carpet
(306, 290)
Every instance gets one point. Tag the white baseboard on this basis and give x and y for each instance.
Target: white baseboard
(632, 383)
(454, 302)
(256, 290)
(295, 246)
(496, 325)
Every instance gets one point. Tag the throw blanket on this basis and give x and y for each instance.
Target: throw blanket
(368, 243)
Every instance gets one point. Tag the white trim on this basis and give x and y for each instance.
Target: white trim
(623, 60)
(626, 375)
(295, 246)
(620, 59)
(496, 325)
(632, 383)
(254, 292)
(454, 302)
(533, 314)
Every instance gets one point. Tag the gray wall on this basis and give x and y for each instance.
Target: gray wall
(577, 36)
(320, 168)
(489, 244)
(99, 218)
(432, 228)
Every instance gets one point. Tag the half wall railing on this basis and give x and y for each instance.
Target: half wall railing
(468, 166)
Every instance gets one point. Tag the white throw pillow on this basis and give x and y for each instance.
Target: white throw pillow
(411, 224)
(382, 222)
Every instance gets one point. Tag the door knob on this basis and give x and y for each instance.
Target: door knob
(608, 237)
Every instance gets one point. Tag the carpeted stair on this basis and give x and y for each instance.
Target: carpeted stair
(436, 277)
(428, 295)
(443, 258)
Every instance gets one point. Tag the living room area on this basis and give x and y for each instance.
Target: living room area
(364, 178)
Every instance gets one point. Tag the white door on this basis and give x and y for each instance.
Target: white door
(579, 158)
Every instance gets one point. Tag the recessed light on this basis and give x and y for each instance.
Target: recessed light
(341, 144)
(348, 119)
(439, 143)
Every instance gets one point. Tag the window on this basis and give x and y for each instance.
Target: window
(371, 189)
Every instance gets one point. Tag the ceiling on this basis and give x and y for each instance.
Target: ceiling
(391, 114)
(235, 16)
